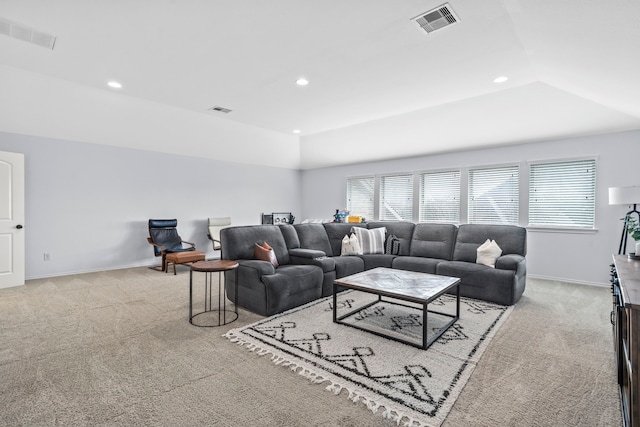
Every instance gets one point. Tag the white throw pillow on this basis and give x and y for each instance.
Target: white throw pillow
(488, 253)
(350, 246)
(371, 241)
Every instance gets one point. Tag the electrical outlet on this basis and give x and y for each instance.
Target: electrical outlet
(47, 256)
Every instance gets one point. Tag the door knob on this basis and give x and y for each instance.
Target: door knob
(19, 227)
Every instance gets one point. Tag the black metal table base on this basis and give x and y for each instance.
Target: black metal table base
(209, 311)
(426, 339)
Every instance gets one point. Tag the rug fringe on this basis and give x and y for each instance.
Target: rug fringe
(394, 414)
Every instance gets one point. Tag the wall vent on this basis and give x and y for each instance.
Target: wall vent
(220, 109)
(24, 33)
(436, 19)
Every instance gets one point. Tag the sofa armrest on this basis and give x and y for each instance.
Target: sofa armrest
(312, 257)
(306, 253)
(510, 262)
(262, 267)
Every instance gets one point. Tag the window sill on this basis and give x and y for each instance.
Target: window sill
(565, 230)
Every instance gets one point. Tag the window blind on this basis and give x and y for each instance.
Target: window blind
(440, 197)
(563, 194)
(360, 196)
(396, 198)
(493, 195)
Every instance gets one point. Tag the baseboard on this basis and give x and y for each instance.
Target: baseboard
(92, 270)
(146, 264)
(564, 279)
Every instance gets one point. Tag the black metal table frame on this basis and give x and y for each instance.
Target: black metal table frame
(426, 340)
(222, 298)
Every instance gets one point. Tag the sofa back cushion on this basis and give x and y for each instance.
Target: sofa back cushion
(335, 232)
(511, 239)
(290, 236)
(403, 230)
(238, 242)
(313, 236)
(434, 241)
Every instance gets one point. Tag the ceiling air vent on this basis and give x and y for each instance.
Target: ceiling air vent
(435, 19)
(22, 32)
(220, 109)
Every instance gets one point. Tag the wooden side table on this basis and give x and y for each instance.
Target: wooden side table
(210, 267)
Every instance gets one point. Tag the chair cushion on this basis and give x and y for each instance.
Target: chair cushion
(163, 223)
(167, 237)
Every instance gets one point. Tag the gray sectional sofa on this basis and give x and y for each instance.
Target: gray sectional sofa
(309, 260)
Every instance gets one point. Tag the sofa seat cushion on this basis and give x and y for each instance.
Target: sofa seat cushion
(482, 282)
(415, 263)
(291, 286)
(377, 260)
(348, 265)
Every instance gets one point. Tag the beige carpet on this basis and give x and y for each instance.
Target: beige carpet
(116, 349)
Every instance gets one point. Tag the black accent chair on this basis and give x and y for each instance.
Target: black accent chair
(164, 237)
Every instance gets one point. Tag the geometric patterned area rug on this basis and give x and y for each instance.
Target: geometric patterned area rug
(409, 385)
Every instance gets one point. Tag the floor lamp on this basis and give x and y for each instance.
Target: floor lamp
(625, 196)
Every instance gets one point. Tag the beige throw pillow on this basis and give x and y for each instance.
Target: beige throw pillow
(488, 253)
(350, 246)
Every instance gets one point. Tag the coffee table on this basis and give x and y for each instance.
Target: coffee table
(409, 286)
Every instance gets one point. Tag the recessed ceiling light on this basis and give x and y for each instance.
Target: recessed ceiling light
(302, 81)
(501, 79)
(114, 85)
(296, 131)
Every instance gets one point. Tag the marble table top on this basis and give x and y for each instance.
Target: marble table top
(407, 285)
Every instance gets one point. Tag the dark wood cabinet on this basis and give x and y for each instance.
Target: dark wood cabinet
(625, 318)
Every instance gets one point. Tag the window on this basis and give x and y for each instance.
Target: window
(493, 195)
(440, 197)
(396, 198)
(562, 194)
(360, 196)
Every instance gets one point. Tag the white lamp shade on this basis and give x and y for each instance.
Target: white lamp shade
(624, 195)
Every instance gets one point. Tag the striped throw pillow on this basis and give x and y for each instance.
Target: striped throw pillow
(371, 241)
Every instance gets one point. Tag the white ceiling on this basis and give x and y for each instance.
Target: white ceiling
(573, 65)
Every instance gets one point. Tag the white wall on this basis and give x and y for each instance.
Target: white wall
(88, 204)
(578, 257)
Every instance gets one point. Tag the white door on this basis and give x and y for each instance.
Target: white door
(11, 219)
